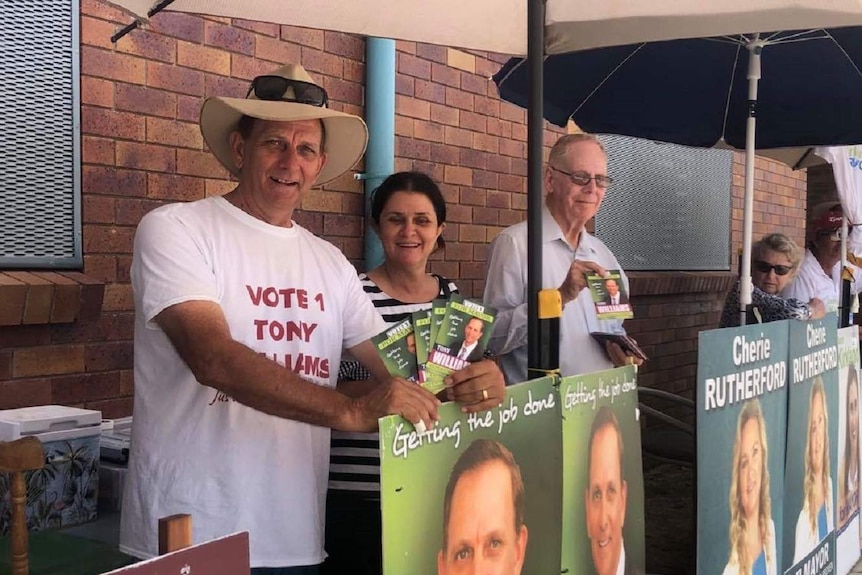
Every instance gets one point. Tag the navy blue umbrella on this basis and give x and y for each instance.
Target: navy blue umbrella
(756, 91)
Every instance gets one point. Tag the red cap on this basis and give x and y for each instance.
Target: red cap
(828, 221)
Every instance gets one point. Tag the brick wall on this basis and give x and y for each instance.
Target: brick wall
(141, 147)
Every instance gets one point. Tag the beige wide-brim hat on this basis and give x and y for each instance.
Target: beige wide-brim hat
(346, 134)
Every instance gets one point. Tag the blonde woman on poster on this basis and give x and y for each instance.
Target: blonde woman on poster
(815, 520)
(752, 531)
(848, 478)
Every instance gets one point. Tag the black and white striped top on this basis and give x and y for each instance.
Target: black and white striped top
(355, 457)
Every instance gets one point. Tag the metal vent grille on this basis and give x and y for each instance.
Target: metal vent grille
(40, 223)
(669, 206)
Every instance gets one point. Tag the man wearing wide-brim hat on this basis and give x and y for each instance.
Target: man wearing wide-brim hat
(241, 319)
(823, 252)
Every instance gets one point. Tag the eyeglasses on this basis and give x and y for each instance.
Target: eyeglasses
(274, 88)
(834, 235)
(766, 267)
(583, 178)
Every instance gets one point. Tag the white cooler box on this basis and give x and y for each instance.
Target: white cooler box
(65, 491)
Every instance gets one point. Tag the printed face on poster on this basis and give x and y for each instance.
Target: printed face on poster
(847, 522)
(812, 453)
(443, 490)
(741, 422)
(603, 498)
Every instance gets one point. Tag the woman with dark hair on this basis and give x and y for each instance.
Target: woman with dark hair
(408, 213)
(848, 478)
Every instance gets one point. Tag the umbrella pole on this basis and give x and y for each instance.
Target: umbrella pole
(754, 48)
(535, 129)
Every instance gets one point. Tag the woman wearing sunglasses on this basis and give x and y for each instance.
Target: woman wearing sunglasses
(775, 260)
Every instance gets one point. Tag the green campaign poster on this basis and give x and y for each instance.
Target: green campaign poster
(741, 404)
(847, 524)
(477, 490)
(812, 448)
(603, 491)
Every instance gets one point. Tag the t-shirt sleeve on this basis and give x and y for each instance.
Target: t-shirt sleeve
(169, 265)
(361, 319)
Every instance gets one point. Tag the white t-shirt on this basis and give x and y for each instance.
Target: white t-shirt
(811, 281)
(506, 290)
(285, 293)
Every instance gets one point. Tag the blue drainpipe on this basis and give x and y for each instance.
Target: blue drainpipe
(380, 116)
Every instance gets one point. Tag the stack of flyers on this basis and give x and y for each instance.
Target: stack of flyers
(609, 295)
(422, 329)
(461, 338)
(397, 348)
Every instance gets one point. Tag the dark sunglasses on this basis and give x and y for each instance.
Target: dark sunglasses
(764, 268)
(274, 88)
(583, 178)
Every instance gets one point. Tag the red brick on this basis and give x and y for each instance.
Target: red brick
(112, 408)
(143, 100)
(112, 65)
(203, 58)
(247, 68)
(346, 45)
(173, 187)
(118, 297)
(322, 201)
(108, 239)
(39, 298)
(404, 126)
(24, 393)
(404, 85)
(98, 209)
(111, 181)
(5, 365)
(97, 92)
(189, 108)
(443, 154)
(446, 75)
(276, 50)
(486, 143)
(458, 137)
(484, 179)
(487, 107)
(458, 175)
(13, 295)
(108, 356)
(127, 382)
(47, 360)
(455, 212)
(175, 79)
(475, 84)
(498, 199)
(97, 150)
(430, 91)
(513, 113)
(172, 133)
(486, 216)
(410, 148)
(179, 25)
(412, 66)
(518, 167)
(510, 183)
(500, 164)
(473, 270)
(341, 91)
(149, 45)
(229, 38)
(475, 122)
(432, 52)
(472, 197)
(321, 62)
(473, 158)
(265, 28)
(472, 233)
(97, 32)
(412, 107)
(427, 131)
(146, 157)
(513, 148)
(68, 389)
(109, 123)
(311, 221)
(204, 164)
(445, 115)
(101, 267)
(459, 99)
(342, 225)
(99, 9)
(354, 71)
(310, 37)
(130, 210)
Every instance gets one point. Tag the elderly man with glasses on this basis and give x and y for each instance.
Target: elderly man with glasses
(575, 181)
(817, 277)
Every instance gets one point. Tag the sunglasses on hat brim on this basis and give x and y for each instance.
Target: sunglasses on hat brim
(274, 88)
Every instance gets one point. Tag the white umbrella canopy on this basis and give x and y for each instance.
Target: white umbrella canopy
(501, 25)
